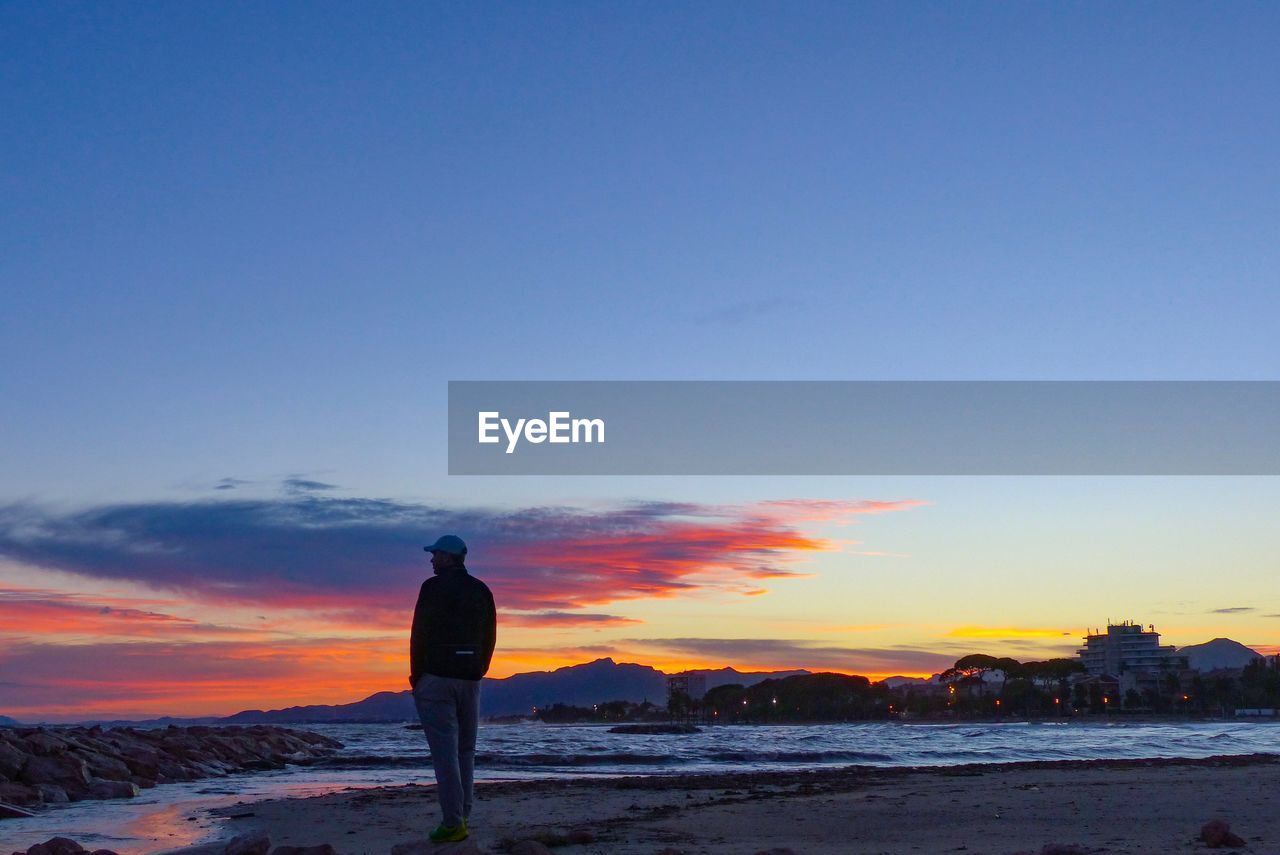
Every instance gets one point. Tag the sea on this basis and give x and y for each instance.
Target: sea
(174, 815)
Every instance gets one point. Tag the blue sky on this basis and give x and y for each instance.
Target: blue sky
(254, 242)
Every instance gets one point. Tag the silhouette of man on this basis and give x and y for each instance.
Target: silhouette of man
(454, 632)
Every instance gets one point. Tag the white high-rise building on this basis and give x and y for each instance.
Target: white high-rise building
(1127, 647)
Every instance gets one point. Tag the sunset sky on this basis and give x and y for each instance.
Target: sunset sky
(243, 250)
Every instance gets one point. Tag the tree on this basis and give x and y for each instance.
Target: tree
(679, 704)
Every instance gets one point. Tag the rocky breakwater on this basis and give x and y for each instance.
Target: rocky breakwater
(52, 765)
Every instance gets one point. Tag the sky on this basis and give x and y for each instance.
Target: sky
(243, 249)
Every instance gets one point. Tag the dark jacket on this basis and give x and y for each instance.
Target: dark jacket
(454, 627)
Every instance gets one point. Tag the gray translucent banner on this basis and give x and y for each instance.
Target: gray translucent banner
(864, 428)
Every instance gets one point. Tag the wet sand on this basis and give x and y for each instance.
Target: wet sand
(1151, 806)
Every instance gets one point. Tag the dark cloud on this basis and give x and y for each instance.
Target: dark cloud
(787, 654)
(296, 486)
(1233, 610)
(322, 552)
(229, 483)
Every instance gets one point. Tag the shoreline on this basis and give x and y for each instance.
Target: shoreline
(986, 807)
(1154, 805)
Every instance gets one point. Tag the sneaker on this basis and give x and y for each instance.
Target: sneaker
(449, 833)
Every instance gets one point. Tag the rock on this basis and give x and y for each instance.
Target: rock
(143, 763)
(529, 847)
(11, 760)
(105, 766)
(253, 843)
(1216, 833)
(426, 847)
(322, 849)
(67, 772)
(19, 794)
(57, 846)
(13, 812)
(413, 847)
(42, 742)
(101, 789)
(92, 762)
(52, 794)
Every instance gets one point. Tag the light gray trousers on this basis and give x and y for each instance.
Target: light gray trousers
(448, 709)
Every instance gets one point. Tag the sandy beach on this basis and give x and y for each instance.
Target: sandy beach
(1153, 806)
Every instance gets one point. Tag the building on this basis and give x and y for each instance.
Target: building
(1125, 648)
(691, 684)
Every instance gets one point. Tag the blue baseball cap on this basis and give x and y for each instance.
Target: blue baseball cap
(449, 543)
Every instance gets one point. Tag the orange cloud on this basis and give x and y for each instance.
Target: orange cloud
(71, 681)
(331, 585)
(832, 510)
(30, 612)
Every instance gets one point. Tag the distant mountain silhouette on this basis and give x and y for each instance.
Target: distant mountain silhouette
(382, 706)
(576, 685)
(5, 721)
(1219, 653)
(729, 676)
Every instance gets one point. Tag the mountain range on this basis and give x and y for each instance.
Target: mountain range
(592, 683)
(575, 685)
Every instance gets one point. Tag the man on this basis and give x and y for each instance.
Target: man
(454, 632)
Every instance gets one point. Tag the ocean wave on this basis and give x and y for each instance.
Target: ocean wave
(796, 757)
(558, 760)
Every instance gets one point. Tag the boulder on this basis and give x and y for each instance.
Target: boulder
(66, 771)
(169, 769)
(74, 760)
(1216, 833)
(105, 766)
(57, 846)
(253, 843)
(104, 789)
(52, 794)
(143, 764)
(11, 760)
(42, 742)
(529, 847)
(19, 794)
(426, 847)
